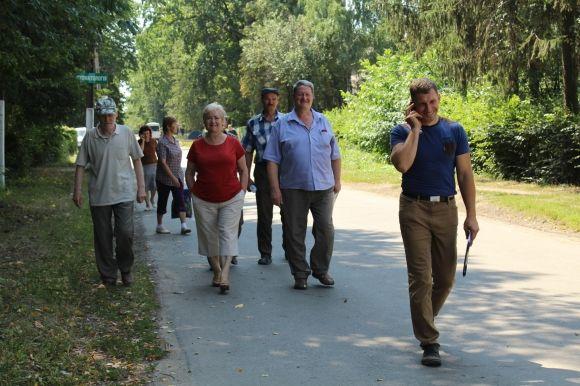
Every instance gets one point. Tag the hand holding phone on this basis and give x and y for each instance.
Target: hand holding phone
(412, 117)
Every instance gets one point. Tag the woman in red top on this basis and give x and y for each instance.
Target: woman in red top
(214, 163)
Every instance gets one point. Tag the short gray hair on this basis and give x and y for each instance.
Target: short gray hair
(302, 82)
(213, 107)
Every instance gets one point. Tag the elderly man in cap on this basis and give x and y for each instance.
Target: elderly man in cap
(304, 171)
(106, 153)
(258, 130)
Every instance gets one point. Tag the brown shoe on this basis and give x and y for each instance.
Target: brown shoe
(127, 279)
(324, 278)
(300, 283)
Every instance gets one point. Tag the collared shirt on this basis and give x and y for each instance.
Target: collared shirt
(107, 161)
(169, 151)
(304, 155)
(258, 131)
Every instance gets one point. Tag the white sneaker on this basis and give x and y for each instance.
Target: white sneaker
(185, 230)
(162, 230)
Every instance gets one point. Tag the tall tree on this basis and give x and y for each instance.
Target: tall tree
(568, 10)
(43, 46)
(508, 40)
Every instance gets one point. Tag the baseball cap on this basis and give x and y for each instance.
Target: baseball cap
(268, 90)
(105, 105)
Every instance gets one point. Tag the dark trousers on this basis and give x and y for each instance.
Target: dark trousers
(429, 231)
(297, 203)
(163, 195)
(113, 221)
(265, 209)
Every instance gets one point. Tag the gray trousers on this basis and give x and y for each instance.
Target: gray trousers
(121, 229)
(265, 209)
(297, 203)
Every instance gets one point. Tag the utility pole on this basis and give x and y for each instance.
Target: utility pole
(2, 154)
(90, 112)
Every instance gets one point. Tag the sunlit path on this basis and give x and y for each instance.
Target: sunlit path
(514, 319)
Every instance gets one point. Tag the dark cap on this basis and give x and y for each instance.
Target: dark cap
(268, 90)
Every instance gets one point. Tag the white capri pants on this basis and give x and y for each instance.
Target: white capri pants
(217, 225)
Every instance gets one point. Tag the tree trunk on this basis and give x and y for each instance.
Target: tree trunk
(569, 61)
(513, 56)
(534, 78)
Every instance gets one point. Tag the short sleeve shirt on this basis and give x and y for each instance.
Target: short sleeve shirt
(258, 131)
(217, 171)
(304, 155)
(433, 171)
(169, 150)
(107, 161)
(149, 152)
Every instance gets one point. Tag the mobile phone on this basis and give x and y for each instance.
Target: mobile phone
(469, 242)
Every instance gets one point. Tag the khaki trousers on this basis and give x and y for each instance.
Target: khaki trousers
(217, 225)
(429, 231)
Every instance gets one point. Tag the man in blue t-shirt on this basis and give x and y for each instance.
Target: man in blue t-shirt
(428, 149)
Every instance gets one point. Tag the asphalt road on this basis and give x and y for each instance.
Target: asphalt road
(514, 319)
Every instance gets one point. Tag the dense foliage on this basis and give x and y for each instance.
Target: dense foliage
(510, 138)
(493, 59)
(195, 52)
(44, 45)
(527, 47)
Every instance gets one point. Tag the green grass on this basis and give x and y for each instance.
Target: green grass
(561, 208)
(359, 166)
(559, 205)
(57, 325)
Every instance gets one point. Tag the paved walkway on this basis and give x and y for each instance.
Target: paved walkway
(515, 318)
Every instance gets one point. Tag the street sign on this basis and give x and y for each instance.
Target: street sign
(93, 77)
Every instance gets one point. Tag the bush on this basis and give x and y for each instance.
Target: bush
(546, 151)
(509, 137)
(482, 108)
(368, 117)
(38, 145)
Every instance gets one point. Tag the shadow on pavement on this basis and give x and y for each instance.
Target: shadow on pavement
(358, 333)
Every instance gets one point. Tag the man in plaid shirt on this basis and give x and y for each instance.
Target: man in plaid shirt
(258, 131)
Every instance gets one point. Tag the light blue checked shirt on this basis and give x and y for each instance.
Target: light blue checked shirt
(258, 131)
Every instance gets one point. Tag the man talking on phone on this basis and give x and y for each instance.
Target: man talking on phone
(427, 149)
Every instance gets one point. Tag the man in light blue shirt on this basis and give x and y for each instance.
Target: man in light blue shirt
(304, 172)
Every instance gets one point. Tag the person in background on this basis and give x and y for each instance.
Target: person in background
(258, 131)
(105, 154)
(169, 175)
(214, 163)
(427, 149)
(148, 145)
